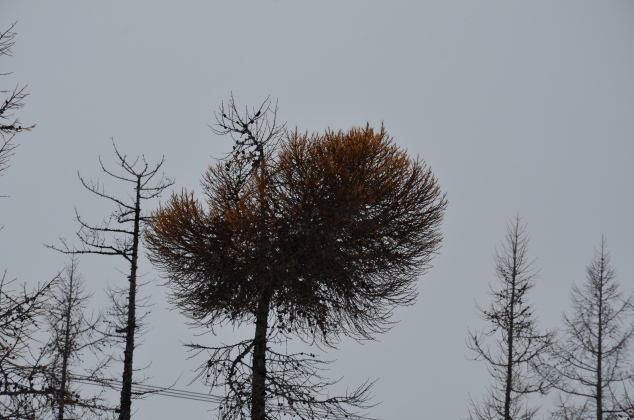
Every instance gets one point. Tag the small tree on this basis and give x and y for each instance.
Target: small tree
(71, 334)
(124, 242)
(316, 236)
(517, 341)
(590, 365)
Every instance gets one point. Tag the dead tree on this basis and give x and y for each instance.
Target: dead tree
(309, 236)
(23, 390)
(122, 241)
(13, 100)
(517, 341)
(72, 334)
(590, 364)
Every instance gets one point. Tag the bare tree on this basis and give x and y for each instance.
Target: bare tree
(122, 241)
(72, 333)
(590, 364)
(23, 389)
(315, 237)
(9, 125)
(517, 341)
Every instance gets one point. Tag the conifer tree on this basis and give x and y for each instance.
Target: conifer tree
(590, 364)
(514, 333)
(312, 236)
(72, 334)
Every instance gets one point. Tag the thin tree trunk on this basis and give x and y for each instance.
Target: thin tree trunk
(510, 334)
(258, 390)
(126, 386)
(66, 351)
(600, 348)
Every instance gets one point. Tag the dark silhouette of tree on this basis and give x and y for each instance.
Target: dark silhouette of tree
(590, 364)
(517, 341)
(13, 100)
(122, 241)
(72, 333)
(309, 236)
(23, 389)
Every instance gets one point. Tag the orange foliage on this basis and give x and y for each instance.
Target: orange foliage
(332, 230)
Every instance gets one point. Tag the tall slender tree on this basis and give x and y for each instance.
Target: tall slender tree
(517, 340)
(72, 333)
(313, 236)
(590, 364)
(122, 241)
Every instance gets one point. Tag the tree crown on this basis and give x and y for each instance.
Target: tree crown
(334, 229)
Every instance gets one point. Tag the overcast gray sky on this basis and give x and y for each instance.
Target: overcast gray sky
(523, 106)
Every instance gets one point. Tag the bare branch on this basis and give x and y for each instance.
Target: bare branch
(10, 126)
(22, 367)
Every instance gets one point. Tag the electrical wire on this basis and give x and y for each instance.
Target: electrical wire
(192, 396)
(151, 389)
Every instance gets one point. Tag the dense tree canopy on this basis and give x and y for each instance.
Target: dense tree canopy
(319, 236)
(334, 233)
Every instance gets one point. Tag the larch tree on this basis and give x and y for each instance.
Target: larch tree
(590, 364)
(512, 341)
(72, 334)
(312, 236)
(123, 240)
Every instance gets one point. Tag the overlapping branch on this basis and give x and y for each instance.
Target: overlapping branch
(14, 100)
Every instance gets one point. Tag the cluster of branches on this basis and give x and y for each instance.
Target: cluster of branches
(317, 236)
(12, 101)
(21, 364)
(588, 364)
(295, 383)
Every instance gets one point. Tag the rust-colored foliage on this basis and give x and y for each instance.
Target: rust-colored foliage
(331, 232)
(316, 236)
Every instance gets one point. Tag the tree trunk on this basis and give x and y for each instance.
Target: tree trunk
(66, 351)
(600, 349)
(126, 386)
(509, 366)
(258, 390)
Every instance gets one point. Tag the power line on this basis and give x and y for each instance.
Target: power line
(196, 396)
(151, 389)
